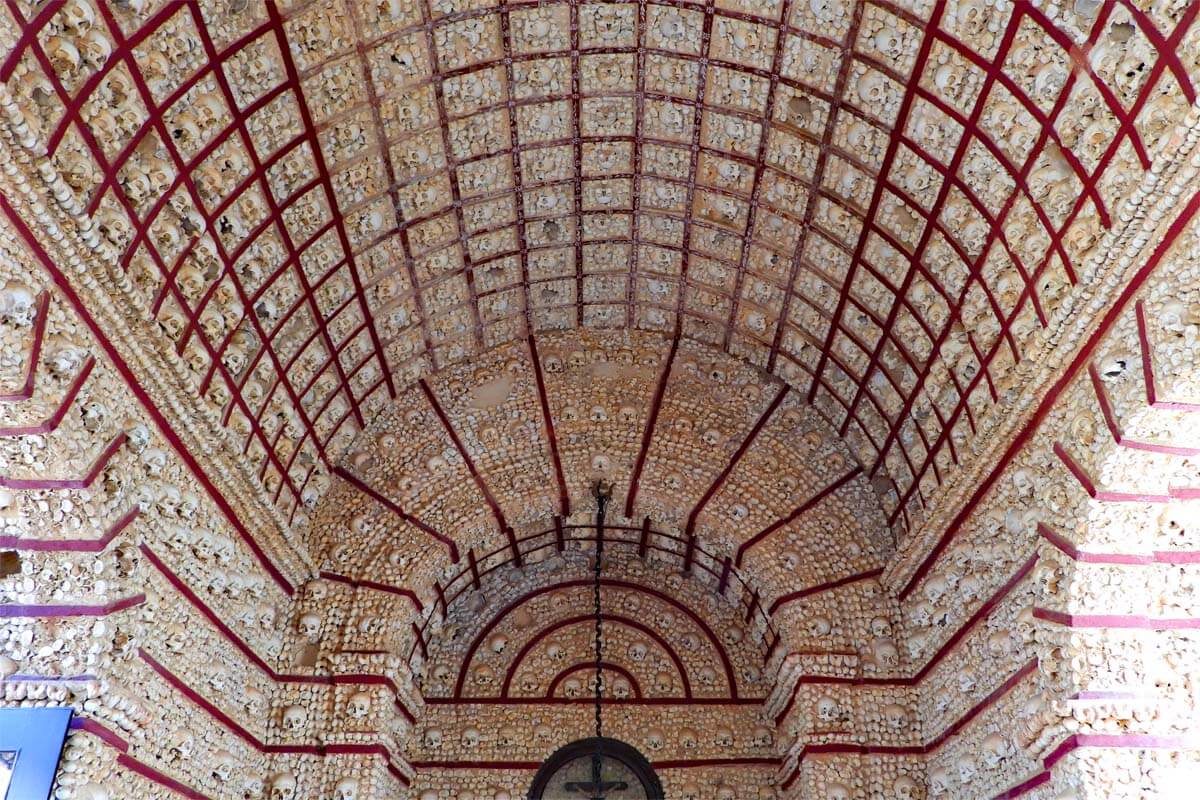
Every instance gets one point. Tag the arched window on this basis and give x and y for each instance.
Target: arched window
(625, 773)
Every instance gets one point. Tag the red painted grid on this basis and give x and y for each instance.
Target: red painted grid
(1168, 61)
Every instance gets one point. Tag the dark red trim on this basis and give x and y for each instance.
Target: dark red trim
(73, 545)
(652, 420)
(25, 392)
(586, 665)
(581, 619)
(980, 614)
(69, 483)
(708, 632)
(375, 586)
(248, 652)
(51, 423)
(922, 749)
(1123, 621)
(690, 529)
(1051, 396)
(395, 508)
(160, 421)
(9, 611)
(1062, 544)
(497, 512)
(253, 741)
(807, 505)
(564, 499)
(823, 587)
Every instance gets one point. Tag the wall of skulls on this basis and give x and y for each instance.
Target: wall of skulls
(1081, 555)
(133, 596)
(892, 206)
(319, 204)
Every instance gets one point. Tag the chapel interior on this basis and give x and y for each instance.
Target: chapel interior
(609, 399)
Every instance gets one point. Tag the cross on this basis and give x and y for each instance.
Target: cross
(596, 788)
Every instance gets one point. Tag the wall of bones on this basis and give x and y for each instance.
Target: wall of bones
(320, 320)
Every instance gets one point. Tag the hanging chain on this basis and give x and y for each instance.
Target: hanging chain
(603, 493)
(602, 497)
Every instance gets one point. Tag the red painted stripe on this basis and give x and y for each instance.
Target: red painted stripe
(69, 483)
(1129, 741)
(922, 749)
(487, 629)
(585, 618)
(395, 508)
(246, 650)
(564, 500)
(584, 666)
(1148, 368)
(497, 512)
(643, 701)
(1048, 400)
(93, 727)
(25, 392)
(823, 587)
(376, 586)
(1124, 621)
(53, 611)
(737, 456)
(246, 736)
(1107, 496)
(749, 761)
(982, 613)
(73, 545)
(651, 422)
(139, 393)
(51, 423)
(807, 505)
(1061, 543)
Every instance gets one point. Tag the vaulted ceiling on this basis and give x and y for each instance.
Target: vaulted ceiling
(885, 204)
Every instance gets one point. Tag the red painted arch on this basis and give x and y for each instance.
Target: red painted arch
(708, 632)
(604, 665)
(577, 620)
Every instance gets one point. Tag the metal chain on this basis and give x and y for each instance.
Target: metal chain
(603, 492)
(601, 504)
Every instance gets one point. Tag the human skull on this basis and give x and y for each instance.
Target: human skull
(346, 789)
(905, 788)
(828, 709)
(837, 791)
(637, 651)
(433, 738)
(470, 738)
(896, 716)
(359, 705)
(762, 737)
(819, 626)
(283, 787)
(885, 654)
(309, 626)
(654, 739)
(507, 736)
(17, 304)
(294, 717)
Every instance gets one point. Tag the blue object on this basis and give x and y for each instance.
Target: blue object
(31, 742)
